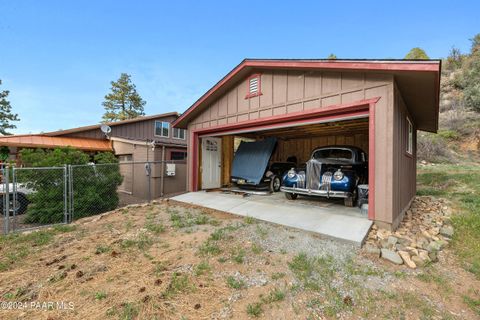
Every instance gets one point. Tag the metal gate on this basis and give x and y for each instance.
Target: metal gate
(43, 191)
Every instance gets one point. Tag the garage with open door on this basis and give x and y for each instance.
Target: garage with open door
(372, 106)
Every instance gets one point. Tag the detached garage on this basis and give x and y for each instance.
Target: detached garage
(374, 105)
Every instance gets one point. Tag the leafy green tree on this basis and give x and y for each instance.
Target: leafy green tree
(6, 115)
(417, 53)
(123, 102)
(332, 56)
(94, 185)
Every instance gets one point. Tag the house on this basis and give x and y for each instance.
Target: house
(377, 105)
(134, 142)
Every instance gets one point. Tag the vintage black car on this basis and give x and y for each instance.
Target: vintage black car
(332, 172)
(252, 168)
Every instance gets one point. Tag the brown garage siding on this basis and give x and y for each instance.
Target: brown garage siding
(285, 92)
(405, 174)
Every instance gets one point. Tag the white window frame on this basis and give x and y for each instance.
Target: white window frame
(179, 129)
(409, 137)
(161, 126)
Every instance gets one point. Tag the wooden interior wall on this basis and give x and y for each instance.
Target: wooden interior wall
(303, 147)
(227, 159)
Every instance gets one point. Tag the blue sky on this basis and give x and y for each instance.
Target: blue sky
(57, 58)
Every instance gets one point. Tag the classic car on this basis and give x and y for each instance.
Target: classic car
(253, 169)
(332, 172)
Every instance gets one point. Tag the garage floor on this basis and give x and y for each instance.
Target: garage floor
(326, 217)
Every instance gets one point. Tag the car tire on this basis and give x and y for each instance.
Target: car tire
(22, 204)
(291, 196)
(275, 184)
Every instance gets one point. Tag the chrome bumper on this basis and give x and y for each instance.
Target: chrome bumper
(321, 193)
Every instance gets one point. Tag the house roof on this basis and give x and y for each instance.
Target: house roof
(111, 124)
(418, 80)
(43, 141)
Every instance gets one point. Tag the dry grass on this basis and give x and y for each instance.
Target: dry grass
(157, 262)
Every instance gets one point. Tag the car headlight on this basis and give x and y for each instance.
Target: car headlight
(338, 175)
(291, 173)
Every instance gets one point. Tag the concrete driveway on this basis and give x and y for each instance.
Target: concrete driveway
(325, 217)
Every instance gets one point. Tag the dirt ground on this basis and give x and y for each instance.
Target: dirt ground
(171, 261)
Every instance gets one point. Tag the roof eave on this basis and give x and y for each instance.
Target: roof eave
(340, 64)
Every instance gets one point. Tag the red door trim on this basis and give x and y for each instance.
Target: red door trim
(330, 113)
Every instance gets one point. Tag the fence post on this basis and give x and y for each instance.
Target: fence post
(14, 196)
(70, 193)
(6, 199)
(65, 195)
(162, 172)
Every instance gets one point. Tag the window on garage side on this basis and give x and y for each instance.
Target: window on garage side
(162, 129)
(179, 133)
(409, 136)
(254, 86)
(178, 155)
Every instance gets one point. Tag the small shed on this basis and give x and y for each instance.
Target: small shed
(376, 105)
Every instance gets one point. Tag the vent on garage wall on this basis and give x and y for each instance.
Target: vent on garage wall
(254, 86)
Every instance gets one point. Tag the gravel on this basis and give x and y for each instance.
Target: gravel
(281, 239)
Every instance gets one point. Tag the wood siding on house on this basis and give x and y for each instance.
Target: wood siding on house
(139, 130)
(287, 92)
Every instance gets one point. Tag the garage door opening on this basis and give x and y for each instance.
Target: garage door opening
(293, 148)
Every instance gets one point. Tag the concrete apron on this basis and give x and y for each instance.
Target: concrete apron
(335, 222)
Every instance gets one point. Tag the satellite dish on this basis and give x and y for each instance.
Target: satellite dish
(105, 129)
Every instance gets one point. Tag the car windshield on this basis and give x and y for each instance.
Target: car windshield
(334, 154)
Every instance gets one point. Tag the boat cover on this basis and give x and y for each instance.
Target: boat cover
(251, 159)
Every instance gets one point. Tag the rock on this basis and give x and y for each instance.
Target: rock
(399, 247)
(392, 240)
(373, 250)
(391, 256)
(418, 261)
(433, 256)
(424, 256)
(434, 246)
(447, 231)
(404, 241)
(406, 259)
(422, 243)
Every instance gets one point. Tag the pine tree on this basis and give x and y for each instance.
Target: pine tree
(417, 53)
(6, 115)
(123, 102)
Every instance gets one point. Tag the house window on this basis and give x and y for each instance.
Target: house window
(254, 86)
(162, 129)
(179, 133)
(178, 155)
(410, 136)
(125, 158)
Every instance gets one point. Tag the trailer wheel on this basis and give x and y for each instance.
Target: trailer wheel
(275, 184)
(291, 196)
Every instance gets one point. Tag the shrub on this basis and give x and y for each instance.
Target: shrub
(94, 186)
(433, 148)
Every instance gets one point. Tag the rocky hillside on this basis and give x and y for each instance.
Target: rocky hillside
(458, 138)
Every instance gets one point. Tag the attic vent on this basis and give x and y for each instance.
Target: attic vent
(253, 86)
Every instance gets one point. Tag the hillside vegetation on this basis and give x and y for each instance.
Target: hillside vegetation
(458, 138)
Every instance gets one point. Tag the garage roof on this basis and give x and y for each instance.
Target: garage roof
(42, 141)
(418, 80)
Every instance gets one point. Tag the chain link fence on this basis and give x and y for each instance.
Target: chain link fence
(44, 196)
